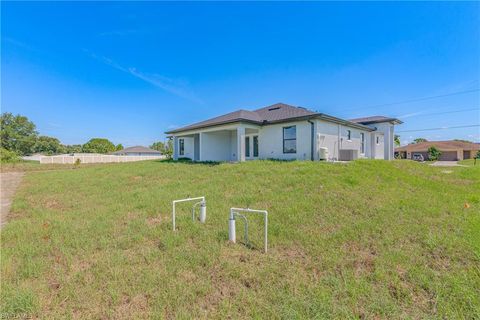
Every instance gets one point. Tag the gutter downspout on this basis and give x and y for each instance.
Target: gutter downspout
(312, 135)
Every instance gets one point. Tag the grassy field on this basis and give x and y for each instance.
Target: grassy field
(28, 165)
(369, 239)
(469, 162)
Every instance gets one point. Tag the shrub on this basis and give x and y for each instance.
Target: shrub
(8, 156)
(433, 153)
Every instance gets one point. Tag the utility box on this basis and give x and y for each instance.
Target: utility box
(323, 153)
(348, 154)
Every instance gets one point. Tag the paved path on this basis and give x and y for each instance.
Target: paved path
(9, 182)
(446, 164)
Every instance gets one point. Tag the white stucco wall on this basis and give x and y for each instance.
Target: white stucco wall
(270, 141)
(215, 146)
(221, 143)
(233, 145)
(334, 137)
(379, 147)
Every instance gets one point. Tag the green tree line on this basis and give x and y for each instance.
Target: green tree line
(19, 137)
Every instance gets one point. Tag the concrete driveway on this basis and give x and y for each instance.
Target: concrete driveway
(446, 164)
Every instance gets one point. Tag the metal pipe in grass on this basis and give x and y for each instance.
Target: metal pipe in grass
(202, 208)
(231, 224)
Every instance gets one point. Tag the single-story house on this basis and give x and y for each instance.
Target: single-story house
(282, 131)
(452, 150)
(137, 151)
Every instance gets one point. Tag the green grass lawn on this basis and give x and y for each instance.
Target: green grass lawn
(368, 239)
(469, 162)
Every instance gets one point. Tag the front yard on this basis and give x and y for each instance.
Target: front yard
(369, 239)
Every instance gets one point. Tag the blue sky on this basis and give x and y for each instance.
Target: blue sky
(130, 71)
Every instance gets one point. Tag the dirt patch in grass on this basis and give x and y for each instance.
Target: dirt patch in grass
(135, 307)
(361, 259)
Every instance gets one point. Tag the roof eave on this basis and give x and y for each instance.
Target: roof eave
(342, 121)
(212, 125)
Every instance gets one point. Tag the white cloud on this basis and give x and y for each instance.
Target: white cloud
(173, 86)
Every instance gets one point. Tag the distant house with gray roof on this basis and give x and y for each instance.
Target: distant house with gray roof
(282, 131)
(137, 151)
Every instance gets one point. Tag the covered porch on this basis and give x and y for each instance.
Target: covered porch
(230, 143)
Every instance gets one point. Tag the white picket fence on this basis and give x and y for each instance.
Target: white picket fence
(94, 158)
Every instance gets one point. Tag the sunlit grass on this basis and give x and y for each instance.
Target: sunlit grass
(365, 239)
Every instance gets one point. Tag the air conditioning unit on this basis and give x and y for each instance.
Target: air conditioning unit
(348, 155)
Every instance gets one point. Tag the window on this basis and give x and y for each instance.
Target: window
(255, 146)
(378, 140)
(247, 146)
(349, 135)
(290, 139)
(181, 143)
(362, 142)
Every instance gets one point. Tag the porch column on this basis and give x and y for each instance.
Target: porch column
(373, 144)
(240, 144)
(388, 142)
(200, 142)
(175, 148)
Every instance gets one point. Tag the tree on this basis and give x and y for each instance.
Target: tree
(433, 153)
(98, 145)
(7, 156)
(165, 148)
(419, 140)
(48, 145)
(396, 140)
(17, 133)
(74, 148)
(119, 147)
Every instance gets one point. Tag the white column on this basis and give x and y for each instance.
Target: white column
(200, 143)
(240, 144)
(175, 148)
(315, 140)
(373, 144)
(387, 143)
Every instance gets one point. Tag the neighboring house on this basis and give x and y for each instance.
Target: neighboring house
(451, 150)
(137, 151)
(281, 131)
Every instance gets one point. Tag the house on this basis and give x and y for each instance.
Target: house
(282, 131)
(137, 151)
(452, 150)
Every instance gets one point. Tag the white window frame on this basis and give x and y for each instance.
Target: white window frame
(289, 139)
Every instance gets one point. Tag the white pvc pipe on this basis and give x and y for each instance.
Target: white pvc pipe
(203, 212)
(231, 226)
(182, 200)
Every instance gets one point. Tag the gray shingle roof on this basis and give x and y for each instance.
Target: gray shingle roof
(279, 112)
(274, 113)
(136, 149)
